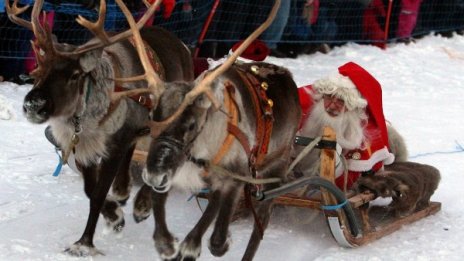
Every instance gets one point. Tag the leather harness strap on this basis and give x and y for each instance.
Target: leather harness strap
(264, 123)
(144, 98)
(263, 109)
(229, 93)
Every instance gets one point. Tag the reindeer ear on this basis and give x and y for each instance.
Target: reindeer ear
(89, 60)
(203, 102)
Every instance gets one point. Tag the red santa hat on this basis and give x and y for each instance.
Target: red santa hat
(257, 51)
(358, 88)
(371, 91)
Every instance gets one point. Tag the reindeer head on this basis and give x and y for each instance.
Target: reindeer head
(61, 77)
(60, 83)
(170, 149)
(181, 110)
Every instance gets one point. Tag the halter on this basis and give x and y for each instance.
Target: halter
(76, 121)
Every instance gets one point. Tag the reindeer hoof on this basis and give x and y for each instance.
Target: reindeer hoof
(187, 258)
(140, 215)
(217, 248)
(119, 226)
(168, 249)
(80, 250)
(189, 250)
(123, 201)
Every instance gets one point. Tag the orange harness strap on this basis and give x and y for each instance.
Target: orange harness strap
(229, 92)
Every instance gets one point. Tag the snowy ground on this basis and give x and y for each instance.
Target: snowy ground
(423, 88)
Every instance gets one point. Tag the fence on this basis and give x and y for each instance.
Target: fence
(324, 21)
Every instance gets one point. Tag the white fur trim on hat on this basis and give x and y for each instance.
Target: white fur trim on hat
(341, 87)
(240, 58)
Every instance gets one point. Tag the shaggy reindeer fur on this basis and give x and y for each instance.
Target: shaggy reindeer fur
(81, 86)
(199, 133)
(397, 144)
(409, 184)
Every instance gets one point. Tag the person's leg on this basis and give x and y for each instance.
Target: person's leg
(274, 32)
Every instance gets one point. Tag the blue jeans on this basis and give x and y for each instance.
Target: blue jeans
(274, 32)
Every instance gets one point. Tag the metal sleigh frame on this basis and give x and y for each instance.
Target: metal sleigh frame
(349, 218)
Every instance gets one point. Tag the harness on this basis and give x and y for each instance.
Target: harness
(262, 107)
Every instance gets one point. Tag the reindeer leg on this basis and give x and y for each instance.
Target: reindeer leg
(191, 246)
(111, 210)
(109, 167)
(142, 203)
(264, 211)
(272, 168)
(165, 243)
(123, 182)
(220, 238)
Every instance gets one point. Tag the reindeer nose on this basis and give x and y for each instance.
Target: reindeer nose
(158, 181)
(36, 106)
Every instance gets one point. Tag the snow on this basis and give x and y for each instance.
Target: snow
(423, 90)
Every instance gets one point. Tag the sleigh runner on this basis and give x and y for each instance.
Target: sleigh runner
(351, 222)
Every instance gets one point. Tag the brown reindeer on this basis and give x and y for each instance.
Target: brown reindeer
(75, 92)
(223, 122)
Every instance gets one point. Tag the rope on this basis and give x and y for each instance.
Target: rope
(205, 190)
(221, 171)
(459, 149)
(334, 207)
(303, 153)
(59, 166)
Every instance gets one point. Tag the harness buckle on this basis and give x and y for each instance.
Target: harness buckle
(142, 99)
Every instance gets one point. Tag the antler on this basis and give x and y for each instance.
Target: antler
(14, 11)
(155, 84)
(204, 86)
(97, 28)
(43, 45)
(44, 35)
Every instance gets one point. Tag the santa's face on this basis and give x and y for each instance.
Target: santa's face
(333, 105)
(348, 125)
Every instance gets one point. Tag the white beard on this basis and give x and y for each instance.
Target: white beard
(348, 125)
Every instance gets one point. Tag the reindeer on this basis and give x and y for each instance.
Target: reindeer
(75, 91)
(233, 123)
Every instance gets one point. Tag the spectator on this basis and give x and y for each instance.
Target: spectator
(274, 32)
(375, 19)
(300, 28)
(407, 18)
(167, 8)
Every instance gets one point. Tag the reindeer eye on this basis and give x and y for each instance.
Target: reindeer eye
(75, 75)
(191, 127)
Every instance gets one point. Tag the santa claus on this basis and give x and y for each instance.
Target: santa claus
(349, 101)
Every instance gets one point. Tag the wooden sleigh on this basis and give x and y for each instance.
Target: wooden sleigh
(349, 218)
